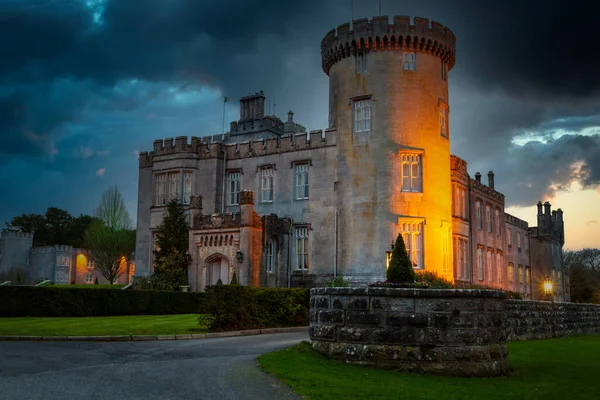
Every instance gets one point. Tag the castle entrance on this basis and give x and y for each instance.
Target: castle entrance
(217, 267)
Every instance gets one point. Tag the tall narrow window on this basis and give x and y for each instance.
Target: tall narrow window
(478, 214)
(520, 271)
(410, 61)
(361, 61)
(488, 218)
(509, 236)
(444, 126)
(511, 272)
(411, 173)
(271, 256)
(444, 71)
(490, 266)
(161, 193)
(462, 257)
(519, 240)
(301, 181)
(302, 248)
(412, 233)
(187, 187)
(528, 275)
(174, 188)
(235, 182)
(362, 115)
(499, 268)
(497, 221)
(267, 185)
(480, 263)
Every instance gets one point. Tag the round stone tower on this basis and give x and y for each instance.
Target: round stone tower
(388, 102)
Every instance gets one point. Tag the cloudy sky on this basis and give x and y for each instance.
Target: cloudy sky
(86, 84)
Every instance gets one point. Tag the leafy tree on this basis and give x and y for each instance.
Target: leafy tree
(400, 269)
(584, 274)
(76, 230)
(110, 240)
(233, 279)
(171, 257)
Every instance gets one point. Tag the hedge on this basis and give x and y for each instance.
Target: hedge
(23, 301)
(237, 307)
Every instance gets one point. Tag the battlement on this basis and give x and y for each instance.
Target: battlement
(458, 164)
(16, 234)
(60, 248)
(43, 250)
(379, 35)
(200, 148)
(511, 219)
(487, 191)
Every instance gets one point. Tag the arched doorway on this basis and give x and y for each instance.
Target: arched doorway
(217, 267)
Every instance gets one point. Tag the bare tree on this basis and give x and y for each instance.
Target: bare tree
(110, 240)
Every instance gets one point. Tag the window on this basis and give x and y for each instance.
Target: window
(499, 268)
(362, 115)
(271, 256)
(460, 202)
(267, 185)
(302, 182)
(520, 273)
(161, 192)
(511, 272)
(89, 278)
(412, 233)
(528, 275)
(361, 61)
(480, 263)
(89, 263)
(411, 173)
(235, 182)
(519, 240)
(490, 266)
(478, 214)
(410, 61)
(488, 218)
(302, 248)
(187, 187)
(509, 236)
(497, 220)
(444, 71)
(462, 258)
(444, 129)
(174, 186)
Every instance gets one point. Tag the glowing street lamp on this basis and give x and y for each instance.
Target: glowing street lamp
(388, 256)
(548, 287)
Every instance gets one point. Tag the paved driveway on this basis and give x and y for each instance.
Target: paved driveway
(223, 368)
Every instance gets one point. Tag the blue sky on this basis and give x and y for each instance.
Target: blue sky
(85, 85)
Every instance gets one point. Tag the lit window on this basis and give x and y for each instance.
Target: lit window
(412, 233)
(520, 273)
(235, 182)
(174, 186)
(488, 218)
(509, 236)
(270, 256)
(444, 128)
(361, 61)
(499, 268)
(187, 187)
(89, 278)
(490, 267)
(362, 115)
(497, 217)
(410, 61)
(511, 272)
(411, 173)
(444, 70)
(478, 213)
(267, 185)
(528, 275)
(89, 264)
(302, 248)
(302, 182)
(480, 263)
(161, 193)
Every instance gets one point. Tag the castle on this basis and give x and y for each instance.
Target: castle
(284, 207)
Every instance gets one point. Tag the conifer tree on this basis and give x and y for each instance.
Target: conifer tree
(233, 279)
(400, 269)
(171, 264)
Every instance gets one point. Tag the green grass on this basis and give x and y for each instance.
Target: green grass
(104, 326)
(565, 368)
(88, 286)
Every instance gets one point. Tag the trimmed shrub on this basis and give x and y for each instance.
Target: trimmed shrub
(433, 280)
(400, 269)
(338, 281)
(233, 279)
(236, 307)
(28, 301)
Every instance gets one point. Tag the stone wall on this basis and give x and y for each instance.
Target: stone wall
(452, 332)
(543, 319)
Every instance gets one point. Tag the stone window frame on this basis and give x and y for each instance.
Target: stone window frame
(305, 195)
(364, 104)
(91, 278)
(231, 172)
(267, 175)
(489, 261)
(509, 236)
(462, 245)
(500, 265)
(187, 192)
(409, 59)
(304, 256)
(270, 253)
(511, 273)
(415, 247)
(478, 214)
(497, 222)
(411, 158)
(444, 118)
(488, 218)
(444, 69)
(480, 263)
(360, 64)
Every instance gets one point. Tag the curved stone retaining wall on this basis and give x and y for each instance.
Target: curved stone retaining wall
(448, 331)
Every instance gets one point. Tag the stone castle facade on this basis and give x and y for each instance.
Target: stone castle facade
(60, 264)
(281, 206)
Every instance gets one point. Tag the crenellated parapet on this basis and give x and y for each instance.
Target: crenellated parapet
(43, 250)
(475, 185)
(458, 164)
(511, 219)
(16, 234)
(379, 35)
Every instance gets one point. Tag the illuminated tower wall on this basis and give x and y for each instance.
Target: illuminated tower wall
(393, 172)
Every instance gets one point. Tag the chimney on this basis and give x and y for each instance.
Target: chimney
(478, 177)
(559, 215)
(247, 207)
(195, 208)
(539, 206)
(290, 116)
(547, 208)
(252, 107)
(491, 179)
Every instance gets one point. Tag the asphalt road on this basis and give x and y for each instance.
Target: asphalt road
(223, 368)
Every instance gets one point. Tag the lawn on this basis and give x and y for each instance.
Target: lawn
(565, 368)
(101, 326)
(87, 286)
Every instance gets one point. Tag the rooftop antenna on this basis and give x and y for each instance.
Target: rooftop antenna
(351, 10)
(274, 105)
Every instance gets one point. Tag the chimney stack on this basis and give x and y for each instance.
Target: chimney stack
(290, 116)
(252, 107)
(478, 177)
(547, 208)
(539, 206)
(491, 179)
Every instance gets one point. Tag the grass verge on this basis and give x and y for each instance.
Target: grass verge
(105, 326)
(565, 368)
